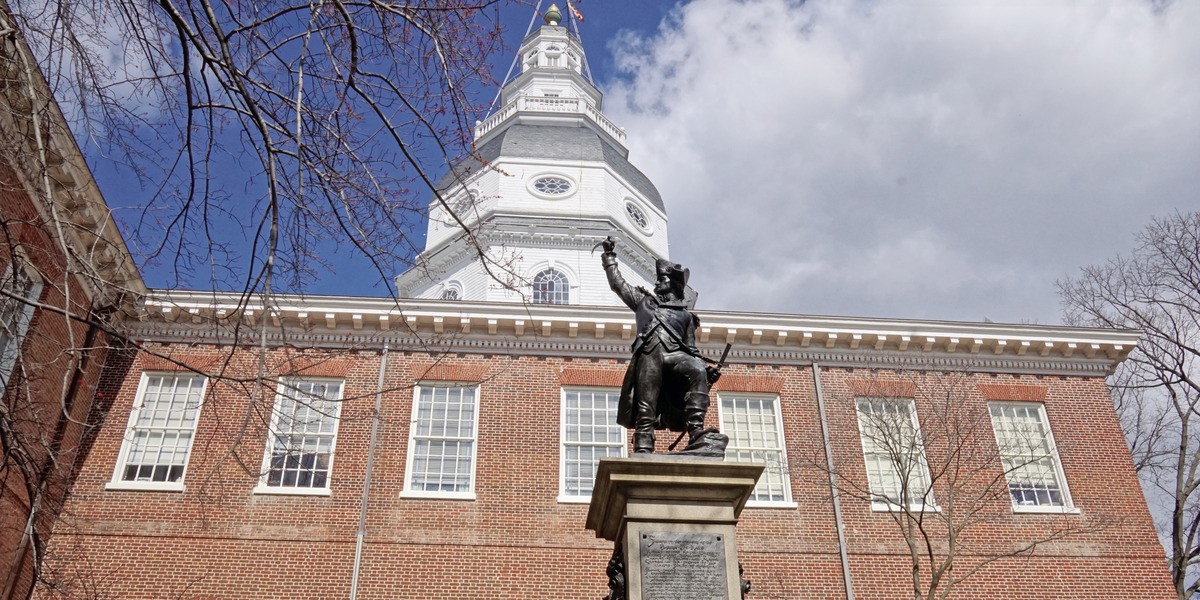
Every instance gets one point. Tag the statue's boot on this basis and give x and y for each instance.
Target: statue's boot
(643, 441)
(695, 406)
(701, 441)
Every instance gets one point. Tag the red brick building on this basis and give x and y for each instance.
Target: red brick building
(65, 281)
(443, 445)
(491, 416)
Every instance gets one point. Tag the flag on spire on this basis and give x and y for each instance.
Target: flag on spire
(575, 11)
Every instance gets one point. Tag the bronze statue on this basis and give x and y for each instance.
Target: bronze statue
(667, 383)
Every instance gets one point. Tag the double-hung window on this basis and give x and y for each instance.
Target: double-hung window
(162, 425)
(299, 455)
(755, 429)
(589, 433)
(894, 454)
(441, 447)
(1029, 457)
(21, 289)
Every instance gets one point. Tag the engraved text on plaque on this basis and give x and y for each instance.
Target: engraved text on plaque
(683, 566)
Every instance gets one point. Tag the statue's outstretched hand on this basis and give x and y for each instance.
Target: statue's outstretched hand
(609, 244)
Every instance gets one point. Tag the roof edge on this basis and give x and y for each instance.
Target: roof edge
(1107, 347)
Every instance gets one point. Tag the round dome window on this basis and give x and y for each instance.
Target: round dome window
(552, 186)
(465, 203)
(637, 216)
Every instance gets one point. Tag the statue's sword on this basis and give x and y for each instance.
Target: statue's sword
(601, 243)
(724, 355)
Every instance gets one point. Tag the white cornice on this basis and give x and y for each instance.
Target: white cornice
(606, 331)
(434, 263)
(85, 220)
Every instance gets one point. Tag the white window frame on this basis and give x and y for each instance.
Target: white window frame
(22, 315)
(569, 292)
(532, 183)
(563, 495)
(462, 205)
(118, 483)
(879, 501)
(1068, 505)
(648, 228)
(452, 286)
(786, 472)
(289, 384)
(408, 491)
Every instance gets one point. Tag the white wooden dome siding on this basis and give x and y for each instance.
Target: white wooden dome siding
(550, 178)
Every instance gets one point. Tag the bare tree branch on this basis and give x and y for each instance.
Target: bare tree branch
(1157, 391)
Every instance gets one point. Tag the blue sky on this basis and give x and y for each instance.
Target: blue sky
(346, 272)
(941, 160)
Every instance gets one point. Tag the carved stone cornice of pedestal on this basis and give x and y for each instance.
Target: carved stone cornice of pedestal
(712, 489)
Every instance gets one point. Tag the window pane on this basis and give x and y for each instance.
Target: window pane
(16, 310)
(443, 439)
(753, 426)
(551, 287)
(1027, 454)
(305, 423)
(161, 433)
(893, 452)
(590, 433)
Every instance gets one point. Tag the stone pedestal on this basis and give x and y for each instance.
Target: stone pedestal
(672, 518)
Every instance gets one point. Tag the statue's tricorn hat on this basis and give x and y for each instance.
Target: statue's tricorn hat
(674, 271)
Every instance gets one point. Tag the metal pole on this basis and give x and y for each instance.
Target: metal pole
(361, 536)
(537, 10)
(833, 485)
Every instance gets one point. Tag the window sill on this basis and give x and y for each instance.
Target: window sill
(438, 495)
(1046, 510)
(574, 499)
(281, 491)
(771, 504)
(144, 486)
(915, 508)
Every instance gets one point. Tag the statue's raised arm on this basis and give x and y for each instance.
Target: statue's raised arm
(629, 295)
(667, 383)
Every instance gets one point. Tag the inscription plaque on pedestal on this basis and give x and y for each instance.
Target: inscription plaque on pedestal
(683, 566)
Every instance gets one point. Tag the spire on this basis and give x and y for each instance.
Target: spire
(553, 16)
(552, 86)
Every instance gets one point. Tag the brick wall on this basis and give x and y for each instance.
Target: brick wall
(48, 397)
(218, 539)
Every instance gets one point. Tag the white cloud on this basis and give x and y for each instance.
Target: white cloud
(915, 159)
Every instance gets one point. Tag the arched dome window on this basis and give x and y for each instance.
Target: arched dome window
(452, 290)
(551, 287)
